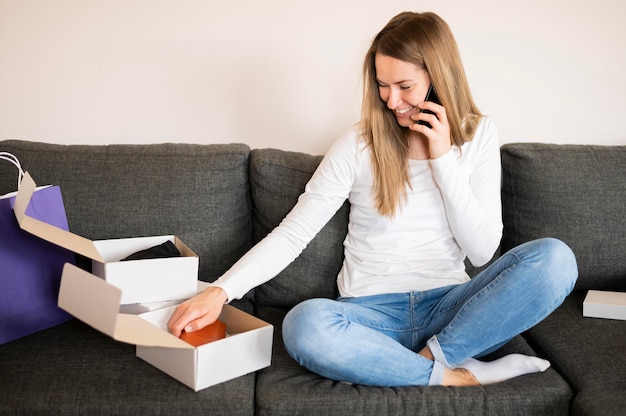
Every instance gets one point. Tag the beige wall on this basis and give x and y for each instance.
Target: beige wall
(286, 73)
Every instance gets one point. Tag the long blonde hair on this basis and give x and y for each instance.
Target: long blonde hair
(425, 40)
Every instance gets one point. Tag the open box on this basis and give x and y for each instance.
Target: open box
(247, 348)
(149, 280)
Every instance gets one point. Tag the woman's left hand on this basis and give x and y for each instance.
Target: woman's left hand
(439, 142)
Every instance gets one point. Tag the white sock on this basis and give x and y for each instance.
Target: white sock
(509, 366)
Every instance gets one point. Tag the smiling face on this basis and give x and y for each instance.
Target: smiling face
(401, 85)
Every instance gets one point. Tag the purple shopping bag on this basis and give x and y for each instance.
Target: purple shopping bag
(30, 268)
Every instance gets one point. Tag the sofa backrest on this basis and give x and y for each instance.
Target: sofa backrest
(576, 193)
(220, 199)
(198, 192)
(277, 178)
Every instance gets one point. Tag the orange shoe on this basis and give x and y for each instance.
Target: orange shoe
(210, 333)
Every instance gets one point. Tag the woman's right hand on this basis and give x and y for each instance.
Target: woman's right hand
(197, 312)
(438, 135)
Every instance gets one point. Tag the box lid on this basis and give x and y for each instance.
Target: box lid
(97, 303)
(603, 297)
(58, 236)
(64, 238)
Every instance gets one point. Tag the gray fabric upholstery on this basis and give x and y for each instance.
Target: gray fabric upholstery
(589, 352)
(277, 178)
(220, 199)
(574, 193)
(199, 193)
(72, 369)
(288, 389)
(577, 194)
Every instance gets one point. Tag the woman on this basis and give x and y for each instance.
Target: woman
(424, 190)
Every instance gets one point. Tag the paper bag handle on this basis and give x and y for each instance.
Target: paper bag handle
(13, 159)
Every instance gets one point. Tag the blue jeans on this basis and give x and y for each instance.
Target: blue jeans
(374, 340)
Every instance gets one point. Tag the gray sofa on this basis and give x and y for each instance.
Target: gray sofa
(220, 199)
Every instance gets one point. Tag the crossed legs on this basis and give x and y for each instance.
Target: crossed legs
(434, 337)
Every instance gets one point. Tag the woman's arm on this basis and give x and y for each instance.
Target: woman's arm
(471, 194)
(324, 194)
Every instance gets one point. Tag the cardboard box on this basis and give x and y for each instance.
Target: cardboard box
(139, 308)
(605, 304)
(247, 348)
(150, 280)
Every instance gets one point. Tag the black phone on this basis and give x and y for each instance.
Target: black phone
(431, 95)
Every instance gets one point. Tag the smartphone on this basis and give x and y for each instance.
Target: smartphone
(431, 95)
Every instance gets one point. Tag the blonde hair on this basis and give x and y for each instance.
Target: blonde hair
(425, 40)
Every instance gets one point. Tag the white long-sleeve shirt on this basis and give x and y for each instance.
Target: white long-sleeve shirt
(453, 210)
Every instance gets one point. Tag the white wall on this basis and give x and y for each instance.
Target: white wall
(286, 73)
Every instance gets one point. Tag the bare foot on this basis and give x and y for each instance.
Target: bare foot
(425, 352)
(452, 377)
(458, 377)
(474, 373)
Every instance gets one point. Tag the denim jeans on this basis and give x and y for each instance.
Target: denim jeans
(375, 340)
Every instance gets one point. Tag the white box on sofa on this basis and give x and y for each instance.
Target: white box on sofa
(149, 280)
(247, 348)
(605, 304)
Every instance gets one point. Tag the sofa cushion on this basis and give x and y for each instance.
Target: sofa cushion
(572, 192)
(288, 389)
(277, 178)
(72, 369)
(590, 354)
(197, 192)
